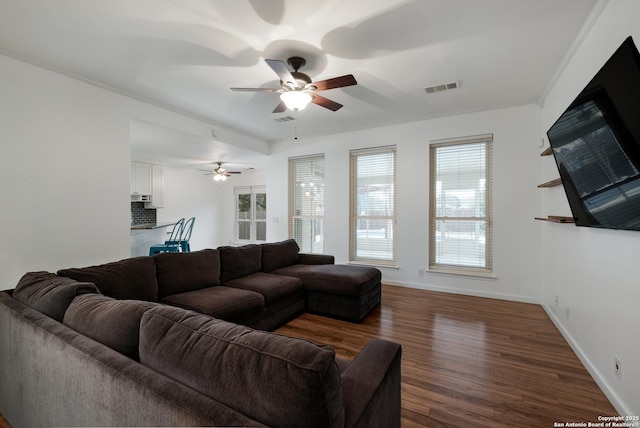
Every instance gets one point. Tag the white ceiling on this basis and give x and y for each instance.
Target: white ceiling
(185, 55)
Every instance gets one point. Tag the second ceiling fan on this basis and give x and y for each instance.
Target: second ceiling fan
(297, 90)
(220, 174)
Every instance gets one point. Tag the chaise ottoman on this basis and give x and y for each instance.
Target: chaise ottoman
(340, 291)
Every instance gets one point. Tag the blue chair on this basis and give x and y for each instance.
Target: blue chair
(186, 235)
(173, 244)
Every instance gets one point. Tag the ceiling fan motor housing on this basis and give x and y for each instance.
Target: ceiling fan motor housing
(301, 78)
(297, 63)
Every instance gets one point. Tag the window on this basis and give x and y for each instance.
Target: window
(306, 202)
(372, 175)
(251, 213)
(460, 205)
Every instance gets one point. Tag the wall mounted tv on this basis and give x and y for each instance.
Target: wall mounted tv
(596, 145)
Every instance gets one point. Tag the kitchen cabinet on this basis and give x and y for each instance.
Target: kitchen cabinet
(141, 179)
(157, 188)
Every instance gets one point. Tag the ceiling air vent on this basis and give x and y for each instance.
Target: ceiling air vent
(284, 119)
(441, 87)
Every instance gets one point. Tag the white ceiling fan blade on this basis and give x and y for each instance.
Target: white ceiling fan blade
(282, 71)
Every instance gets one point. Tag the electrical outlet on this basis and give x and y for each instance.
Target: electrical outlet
(421, 272)
(567, 313)
(617, 366)
(556, 301)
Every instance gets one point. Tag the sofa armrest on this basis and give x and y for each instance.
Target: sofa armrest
(371, 386)
(315, 259)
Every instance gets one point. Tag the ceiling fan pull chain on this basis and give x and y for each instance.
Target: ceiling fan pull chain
(295, 125)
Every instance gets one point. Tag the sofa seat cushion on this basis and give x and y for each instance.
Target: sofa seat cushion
(49, 293)
(236, 262)
(274, 288)
(115, 323)
(220, 302)
(276, 380)
(180, 272)
(133, 278)
(347, 280)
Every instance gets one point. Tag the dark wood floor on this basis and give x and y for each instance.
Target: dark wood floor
(470, 361)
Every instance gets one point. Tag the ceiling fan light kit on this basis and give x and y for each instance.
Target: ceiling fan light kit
(296, 100)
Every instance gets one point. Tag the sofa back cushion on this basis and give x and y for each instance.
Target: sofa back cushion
(114, 323)
(133, 278)
(49, 293)
(236, 262)
(181, 272)
(274, 379)
(276, 255)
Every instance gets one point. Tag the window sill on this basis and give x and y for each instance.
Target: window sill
(462, 272)
(240, 243)
(389, 267)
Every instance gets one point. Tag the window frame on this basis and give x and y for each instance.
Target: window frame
(460, 269)
(317, 221)
(355, 217)
(253, 221)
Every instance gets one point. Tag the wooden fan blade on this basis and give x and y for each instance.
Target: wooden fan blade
(280, 107)
(281, 70)
(256, 89)
(233, 172)
(336, 82)
(325, 102)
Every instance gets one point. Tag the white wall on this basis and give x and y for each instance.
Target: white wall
(517, 141)
(64, 171)
(594, 272)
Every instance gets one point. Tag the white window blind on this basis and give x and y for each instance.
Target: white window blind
(306, 202)
(372, 175)
(460, 205)
(251, 213)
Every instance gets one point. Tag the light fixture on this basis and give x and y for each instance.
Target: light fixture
(296, 100)
(219, 177)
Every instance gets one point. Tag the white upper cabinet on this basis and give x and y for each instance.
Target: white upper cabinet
(157, 188)
(141, 179)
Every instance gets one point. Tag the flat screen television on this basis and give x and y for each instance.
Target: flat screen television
(596, 145)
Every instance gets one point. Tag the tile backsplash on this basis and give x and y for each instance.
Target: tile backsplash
(141, 215)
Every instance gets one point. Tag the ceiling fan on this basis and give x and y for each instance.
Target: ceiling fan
(297, 90)
(221, 174)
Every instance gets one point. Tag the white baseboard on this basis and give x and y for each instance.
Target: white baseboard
(608, 391)
(466, 292)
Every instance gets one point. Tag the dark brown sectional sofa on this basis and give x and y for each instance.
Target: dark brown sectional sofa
(260, 286)
(178, 339)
